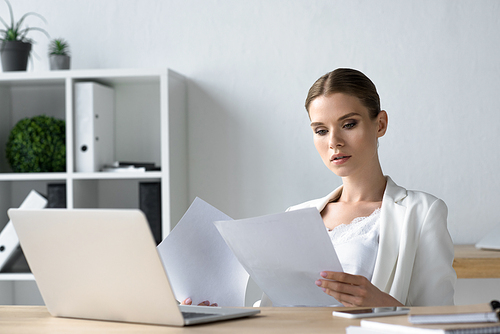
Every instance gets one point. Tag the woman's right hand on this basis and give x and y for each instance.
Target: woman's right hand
(354, 290)
(188, 301)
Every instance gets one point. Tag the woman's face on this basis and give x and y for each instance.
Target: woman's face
(345, 135)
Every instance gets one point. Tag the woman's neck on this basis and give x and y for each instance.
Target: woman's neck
(369, 187)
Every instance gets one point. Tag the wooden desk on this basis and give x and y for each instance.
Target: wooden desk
(290, 320)
(470, 262)
(36, 319)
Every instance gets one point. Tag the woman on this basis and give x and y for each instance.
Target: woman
(393, 243)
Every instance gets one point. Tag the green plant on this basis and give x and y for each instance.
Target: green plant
(59, 46)
(37, 144)
(15, 31)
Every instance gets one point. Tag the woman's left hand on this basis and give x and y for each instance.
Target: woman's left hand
(354, 290)
(189, 301)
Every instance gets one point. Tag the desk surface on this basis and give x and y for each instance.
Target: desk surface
(36, 319)
(471, 262)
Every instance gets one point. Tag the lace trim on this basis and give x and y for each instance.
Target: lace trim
(358, 227)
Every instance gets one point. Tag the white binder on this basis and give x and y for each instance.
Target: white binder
(94, 126)
(8, 237)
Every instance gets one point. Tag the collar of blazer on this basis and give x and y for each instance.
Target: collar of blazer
(392, 216)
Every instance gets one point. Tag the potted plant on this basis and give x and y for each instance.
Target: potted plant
(15, 46)
(59, 54)
(37, 144)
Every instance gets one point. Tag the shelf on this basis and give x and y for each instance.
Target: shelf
(78, 176)
(16, 277)
(150, 125)
(106, 75)
(32, 176)
(116, 175)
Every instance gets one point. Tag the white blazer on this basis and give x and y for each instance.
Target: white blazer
(415, 254)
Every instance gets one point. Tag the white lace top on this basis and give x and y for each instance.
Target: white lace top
(356, 244)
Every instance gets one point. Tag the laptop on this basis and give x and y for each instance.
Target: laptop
(490, 241)
(103, 264)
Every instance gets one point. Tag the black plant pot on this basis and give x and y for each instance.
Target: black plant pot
(15, 55)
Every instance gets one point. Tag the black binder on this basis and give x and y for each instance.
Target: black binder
(56, 195)
(150, 204)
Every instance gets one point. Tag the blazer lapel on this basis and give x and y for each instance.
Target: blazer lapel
(391, 222)
(334, 195)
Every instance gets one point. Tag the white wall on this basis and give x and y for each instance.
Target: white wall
(250, 64)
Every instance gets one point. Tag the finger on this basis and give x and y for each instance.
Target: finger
(338, 287)
(348, 294)
(348, 304)
(343, 292)
(187, 301)
(347, 300)
(204, 303)
(343, 277)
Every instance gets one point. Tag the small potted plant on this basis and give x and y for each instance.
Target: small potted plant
(59, 54)
(15, 46)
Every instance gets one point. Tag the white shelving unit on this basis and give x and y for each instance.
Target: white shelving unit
(150, 126)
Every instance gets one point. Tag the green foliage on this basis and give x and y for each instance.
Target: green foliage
(37, 144)
(14, 30)
(59, 46)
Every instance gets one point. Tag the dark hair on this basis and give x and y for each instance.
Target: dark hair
(348, 81)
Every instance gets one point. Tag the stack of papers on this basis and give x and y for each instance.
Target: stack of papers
(460, 319)
(208, 256)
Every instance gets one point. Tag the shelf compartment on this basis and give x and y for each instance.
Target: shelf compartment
(26, 100)
(106, 193)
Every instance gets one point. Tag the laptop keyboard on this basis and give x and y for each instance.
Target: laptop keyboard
(193, 315)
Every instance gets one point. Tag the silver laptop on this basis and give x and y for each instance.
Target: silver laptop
(102, 264)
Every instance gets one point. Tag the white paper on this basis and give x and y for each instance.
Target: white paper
(284, 254)
(199, 263)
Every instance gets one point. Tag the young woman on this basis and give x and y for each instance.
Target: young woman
(393, 243)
